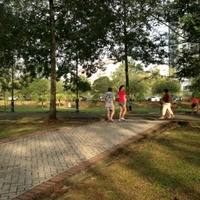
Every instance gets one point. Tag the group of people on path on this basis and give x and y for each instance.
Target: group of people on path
(166, 111)
(110, 98)
(166, 106)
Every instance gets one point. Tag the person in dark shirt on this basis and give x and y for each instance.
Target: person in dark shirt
(195, 103)
(166, 105)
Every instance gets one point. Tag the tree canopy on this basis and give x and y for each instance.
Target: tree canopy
(173, 86)
(100, 85)
(184, 22)
(55, 38)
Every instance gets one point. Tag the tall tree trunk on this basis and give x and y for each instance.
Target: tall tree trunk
(126, 49)
(52, 112)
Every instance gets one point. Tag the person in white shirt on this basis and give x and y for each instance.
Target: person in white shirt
(109, 98)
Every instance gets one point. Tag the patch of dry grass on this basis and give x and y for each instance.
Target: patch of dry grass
(13, 127)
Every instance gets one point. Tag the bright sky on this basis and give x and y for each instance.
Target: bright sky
(110, 67)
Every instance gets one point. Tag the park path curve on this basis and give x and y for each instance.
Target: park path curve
(30, 161)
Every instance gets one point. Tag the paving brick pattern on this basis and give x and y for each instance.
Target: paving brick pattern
(27, 162)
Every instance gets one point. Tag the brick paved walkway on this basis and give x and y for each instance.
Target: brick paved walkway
(28, 162)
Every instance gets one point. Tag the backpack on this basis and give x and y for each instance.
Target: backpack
(109, 97)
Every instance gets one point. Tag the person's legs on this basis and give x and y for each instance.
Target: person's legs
(120, 112)
(197, 107)
(168, 114)
(124, 111)
(108, 113)
(192, 107)
(170, 110)
(164, 109)
(112, 114)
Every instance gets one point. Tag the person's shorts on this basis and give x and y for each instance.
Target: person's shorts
(110, 107)
(121, 104)
(193, 105)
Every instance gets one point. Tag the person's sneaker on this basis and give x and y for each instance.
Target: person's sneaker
(122, 119)
(162, 118)
(111, 120)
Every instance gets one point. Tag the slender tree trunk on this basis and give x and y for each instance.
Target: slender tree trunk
(126, 49)
(126, 70)
(52, 112)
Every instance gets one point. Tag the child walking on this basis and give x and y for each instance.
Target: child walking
(109, 99)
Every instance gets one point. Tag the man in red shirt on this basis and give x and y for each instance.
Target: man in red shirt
(166, 105)
(195, 103)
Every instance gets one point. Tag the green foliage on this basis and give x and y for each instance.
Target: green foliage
(138, 84)
(85, 32)
(196, 94)
(39, 89)
(172, 85)
(42, 98)
(9, 35)
(118, 77)
(100, 85)
(195, 86)
(59, 87)
(60, 96)
(184, 21)
(95, 99)
(186, 95)
(81, 36)
(131, 30)
(139, 87)
(82, 83)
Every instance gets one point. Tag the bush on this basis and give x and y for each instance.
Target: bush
(95, 99)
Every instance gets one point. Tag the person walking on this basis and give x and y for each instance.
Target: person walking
(109, 99)
(166, 105)
(195, 103)
(122, 103)
(130, 104)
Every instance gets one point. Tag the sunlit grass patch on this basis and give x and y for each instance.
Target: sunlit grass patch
(13, 127)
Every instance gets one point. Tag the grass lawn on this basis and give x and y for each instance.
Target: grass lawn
(86, 106)
(163, 166)
(12, 127)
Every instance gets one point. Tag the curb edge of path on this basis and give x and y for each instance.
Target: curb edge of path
(54, 187)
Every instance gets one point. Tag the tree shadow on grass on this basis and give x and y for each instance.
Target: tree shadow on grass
(160, 175)
(187, 149)
(176, 168)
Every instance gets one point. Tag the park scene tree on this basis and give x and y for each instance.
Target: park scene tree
(54, 39)
(55, 56)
